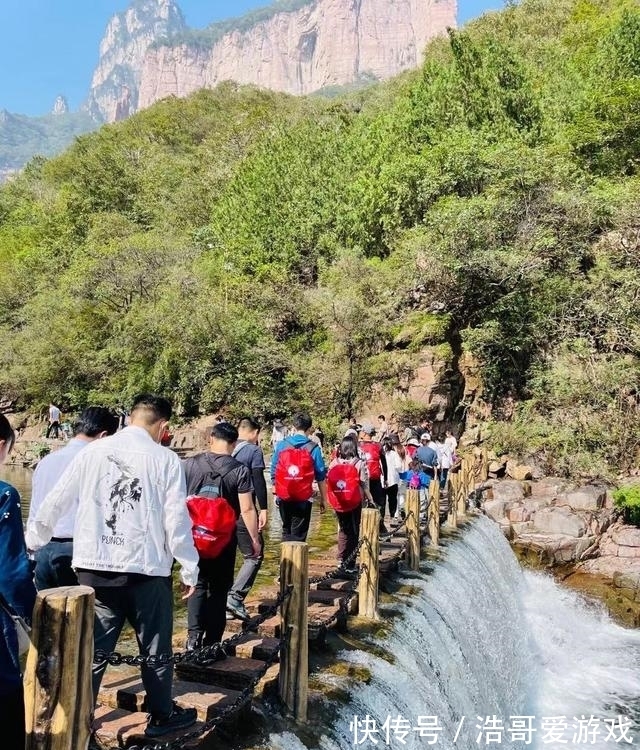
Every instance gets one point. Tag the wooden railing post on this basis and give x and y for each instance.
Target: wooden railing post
(413, 529)
(294, 659)
(433, 513)
(370, 561)
(57, 686)
(452, 516)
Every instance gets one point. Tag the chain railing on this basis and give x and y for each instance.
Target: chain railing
(339, 571)
(198, 656)
(343, 607)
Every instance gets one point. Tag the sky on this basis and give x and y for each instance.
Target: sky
(50, 47)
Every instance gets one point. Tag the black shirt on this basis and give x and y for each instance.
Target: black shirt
(206, 468)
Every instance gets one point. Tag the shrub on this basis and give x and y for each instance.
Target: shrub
(628, 499)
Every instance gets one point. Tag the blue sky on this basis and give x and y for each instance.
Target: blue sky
(50, 47)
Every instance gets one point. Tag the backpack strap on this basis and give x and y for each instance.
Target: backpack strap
(216, 469)
(239, 446)
(308, 446)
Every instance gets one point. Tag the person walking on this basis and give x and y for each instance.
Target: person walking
(347, 487)
(54, 421)
(249, 453)
(394, 467)
(296, 462)
(131, 523)
(53, 561)
(445, 461)
(427, 455)
(383, 429)
(17, 596)
(216, 474)
(404, 464)
(377, 466)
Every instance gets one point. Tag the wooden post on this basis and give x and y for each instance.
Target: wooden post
(452, 516)
(413, 529)
(433, 512)
(370, 560)
(294, 659)
(57, 685)
(484, 466)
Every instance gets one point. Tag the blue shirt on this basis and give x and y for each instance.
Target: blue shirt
(427, 456)
(425, 479)
(16, 585)
(297, 441)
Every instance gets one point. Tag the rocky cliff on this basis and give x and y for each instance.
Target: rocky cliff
(116, 79)
(292, 47)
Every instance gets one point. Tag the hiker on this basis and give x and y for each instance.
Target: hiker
(404, 464)
(249, 453)
(426, 455)
(377, 466)
(295, 463)
(451, 442)
(383, 429)
(211, 475)
(17, 596)
(132, 522)
(53, 561)
(394, 467)
(54, 421)
(278, 433)
(418, 479)
(347, 487)
(445, 461)
(412, 445)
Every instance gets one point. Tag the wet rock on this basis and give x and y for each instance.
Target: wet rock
(560, 520)
(495, 509)
(553, 549)
(585, 498)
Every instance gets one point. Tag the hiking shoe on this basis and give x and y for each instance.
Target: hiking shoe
(179, 718)
(348, 573)
(194, 642)
(238, 610)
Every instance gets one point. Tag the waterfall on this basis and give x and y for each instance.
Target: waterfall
(479, 637)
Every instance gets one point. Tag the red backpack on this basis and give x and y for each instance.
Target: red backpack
(371, 452)
(295, 472)
(213, 519)
(343, 485)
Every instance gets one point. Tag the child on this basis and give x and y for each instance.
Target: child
(417, 479)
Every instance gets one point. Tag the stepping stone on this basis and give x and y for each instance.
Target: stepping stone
(129, 695)
(334, 584)
(117, 728)
(254, 646)
(232, 672)
(328, 596)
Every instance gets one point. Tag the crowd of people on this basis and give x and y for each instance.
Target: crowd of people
(116, 510)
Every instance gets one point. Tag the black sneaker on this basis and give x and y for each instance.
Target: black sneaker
(238, 610)
(179, 718)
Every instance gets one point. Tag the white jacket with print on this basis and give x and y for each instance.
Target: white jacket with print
(132, 514)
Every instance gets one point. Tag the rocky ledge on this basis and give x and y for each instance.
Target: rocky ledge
(573, 530)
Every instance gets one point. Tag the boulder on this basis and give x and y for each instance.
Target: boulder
(519, 514)
(522, 528)
(553, 549)
(549, 486)
(495, 509)
(626, 536)
(585, 498)
(533, 504)
(519, 472)
(563, 520)
(497, 468)
(511, 491)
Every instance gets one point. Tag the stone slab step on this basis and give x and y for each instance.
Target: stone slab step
(333, 584)
(253, 646)
(116, 728)
(270, 628)
(233, 672)
(129, 695)
(328, 596)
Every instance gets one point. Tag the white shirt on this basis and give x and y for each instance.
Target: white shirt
(451, 443)
(54, 414)
(132, 514)
(47, 473)
(394, 467)
(445, 456)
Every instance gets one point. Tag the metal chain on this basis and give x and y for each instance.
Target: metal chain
(213, 723)
(389, 537)
(337, 572)
(198, 656)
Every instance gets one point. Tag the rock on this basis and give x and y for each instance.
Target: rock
(519, 514)
(553, 549)
(627, 536)
(495, 509)
(624, 572)
(549, 486)
(522, 528)
(533, 504)
(563, 520)
(511, 491)
(518, 471)
(497, 468)
(585, 498)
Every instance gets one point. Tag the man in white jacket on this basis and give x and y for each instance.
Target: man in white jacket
(132, 522)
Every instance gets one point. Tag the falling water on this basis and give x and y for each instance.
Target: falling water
(478, 643)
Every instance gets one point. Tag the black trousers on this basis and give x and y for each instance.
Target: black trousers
(348, 533)
(250, 566)
(54, 427)
(207, 608)
(12, 719)
(296, 518)
(379, 495)
(392, 499)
